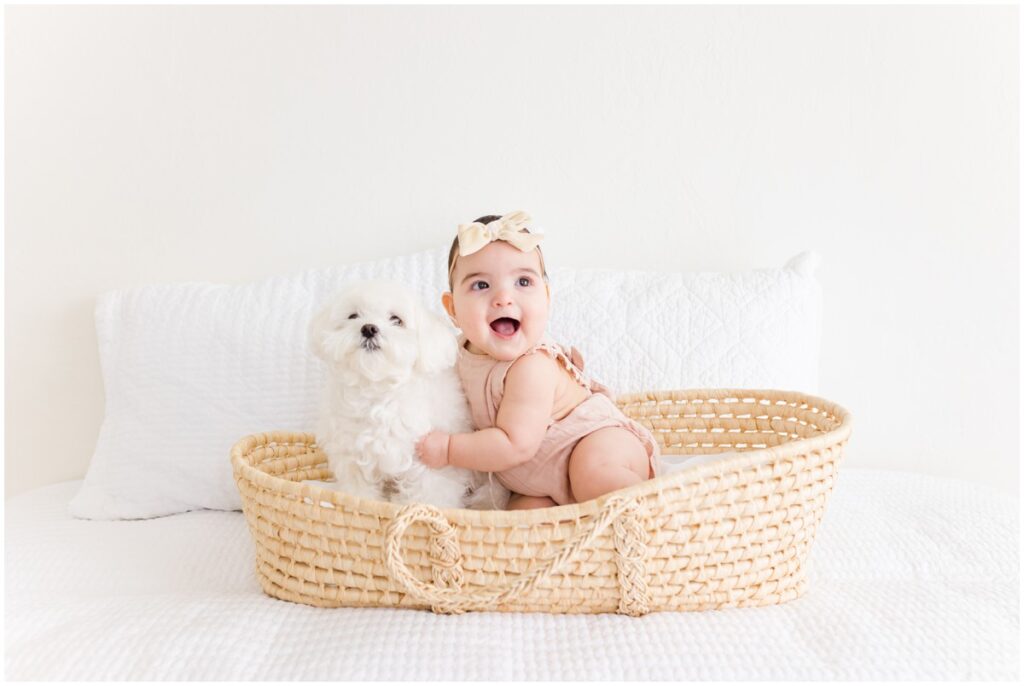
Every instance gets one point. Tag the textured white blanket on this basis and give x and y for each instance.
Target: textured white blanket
(912, 577)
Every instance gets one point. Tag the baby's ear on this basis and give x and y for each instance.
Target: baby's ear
(449, 305)
(437, 343)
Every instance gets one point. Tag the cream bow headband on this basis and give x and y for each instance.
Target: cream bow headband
(473, 237)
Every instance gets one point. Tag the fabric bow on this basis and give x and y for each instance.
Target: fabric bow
(473, 237)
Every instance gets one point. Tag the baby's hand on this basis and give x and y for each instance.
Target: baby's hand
(432, 449)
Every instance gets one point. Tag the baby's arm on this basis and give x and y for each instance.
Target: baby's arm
(519, 427)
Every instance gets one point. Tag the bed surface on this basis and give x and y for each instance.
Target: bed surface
(911, 577)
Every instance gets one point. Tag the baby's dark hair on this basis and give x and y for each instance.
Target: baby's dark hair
(453, 253)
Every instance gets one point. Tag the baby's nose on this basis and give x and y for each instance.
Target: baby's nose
(369, 330)
(502, 298)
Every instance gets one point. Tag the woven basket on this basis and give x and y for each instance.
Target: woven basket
(729, 533)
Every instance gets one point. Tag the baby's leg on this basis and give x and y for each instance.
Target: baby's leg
(529, 502)
(606, 460)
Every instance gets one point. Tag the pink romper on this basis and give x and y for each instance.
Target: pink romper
(547, 472)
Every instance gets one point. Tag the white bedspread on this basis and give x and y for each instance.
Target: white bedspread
(911, 577)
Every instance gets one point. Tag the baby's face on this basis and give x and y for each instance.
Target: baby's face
(499, 300)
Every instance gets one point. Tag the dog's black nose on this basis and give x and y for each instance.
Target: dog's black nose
(369, 330)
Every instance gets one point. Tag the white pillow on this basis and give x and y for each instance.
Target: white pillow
(190, 368)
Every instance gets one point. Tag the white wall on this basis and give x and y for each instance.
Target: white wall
(156, 144)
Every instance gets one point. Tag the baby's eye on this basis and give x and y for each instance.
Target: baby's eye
(524, 281)
(396, 319)
(353, 315)
(473, 286)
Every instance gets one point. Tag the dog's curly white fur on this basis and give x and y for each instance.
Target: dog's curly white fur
(391, 380)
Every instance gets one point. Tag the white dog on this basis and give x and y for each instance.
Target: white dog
(391, 380)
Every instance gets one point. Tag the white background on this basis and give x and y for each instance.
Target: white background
(161, 144)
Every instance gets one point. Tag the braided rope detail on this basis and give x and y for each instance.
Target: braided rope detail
(451, 599)
(631, 551)
(445, 556)
(443, 549)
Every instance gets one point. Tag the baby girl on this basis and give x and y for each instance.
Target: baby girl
(547, 432)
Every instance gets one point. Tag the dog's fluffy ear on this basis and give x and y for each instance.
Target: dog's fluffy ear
(317, 327)
(437, 343)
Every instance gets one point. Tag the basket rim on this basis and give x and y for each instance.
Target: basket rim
(573, 511)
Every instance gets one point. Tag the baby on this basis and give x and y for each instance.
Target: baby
(548, 433)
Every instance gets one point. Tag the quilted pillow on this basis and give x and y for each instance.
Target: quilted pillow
(190, 368)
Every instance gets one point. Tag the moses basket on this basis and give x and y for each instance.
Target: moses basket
(732, 532)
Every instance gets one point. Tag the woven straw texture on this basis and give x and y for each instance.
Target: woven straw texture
(730, 533)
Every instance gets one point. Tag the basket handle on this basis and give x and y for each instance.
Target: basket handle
(447, 596)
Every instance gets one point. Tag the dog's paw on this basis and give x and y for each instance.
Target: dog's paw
(490, 495)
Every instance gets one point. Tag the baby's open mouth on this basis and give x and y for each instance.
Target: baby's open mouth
(505, 326)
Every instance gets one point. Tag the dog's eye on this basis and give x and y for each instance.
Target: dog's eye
(353, 315)
(396, 319)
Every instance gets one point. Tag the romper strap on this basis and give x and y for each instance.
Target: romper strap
(595, 386)
(572, 361)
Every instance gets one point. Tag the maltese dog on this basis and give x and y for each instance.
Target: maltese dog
(391, 380)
